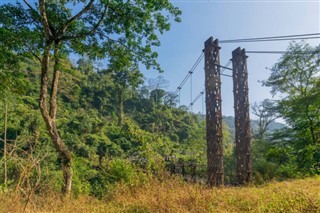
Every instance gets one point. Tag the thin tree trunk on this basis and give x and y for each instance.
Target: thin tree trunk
(56, 36)
(311, 128)
(5, 140)
(311, 125)
(50, 118)
(120, 107)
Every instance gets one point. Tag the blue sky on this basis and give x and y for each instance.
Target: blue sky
(230, 19)
(182, 45)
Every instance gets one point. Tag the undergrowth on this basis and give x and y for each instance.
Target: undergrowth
(174, 195)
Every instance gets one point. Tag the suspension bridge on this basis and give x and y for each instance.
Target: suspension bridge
(196, 95)
(211, 94)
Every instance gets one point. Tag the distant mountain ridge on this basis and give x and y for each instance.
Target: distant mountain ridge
(229, 120)
(254, 124)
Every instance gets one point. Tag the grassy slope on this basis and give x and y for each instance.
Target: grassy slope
(176, 196)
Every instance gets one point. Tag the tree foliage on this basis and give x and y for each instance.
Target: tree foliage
(295, 78)
(98, 28)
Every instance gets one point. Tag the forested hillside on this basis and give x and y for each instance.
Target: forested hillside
(114, 141)
(87, 128)
(150, 137)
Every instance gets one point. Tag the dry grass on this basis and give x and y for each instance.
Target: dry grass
(177, 196)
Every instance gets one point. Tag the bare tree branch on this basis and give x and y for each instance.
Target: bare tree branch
(93, 30)
(30, 7)
(44, 20)
(44, 81)
(69, 22)
(35, 55)
(55, 81)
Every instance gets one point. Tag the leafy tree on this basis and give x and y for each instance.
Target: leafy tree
(296, 78)
(266, 113)
(157, 96)
(144, 92)
(171, 99)
(11, 82)
(124, 73)
(52, 29)
(157, 86)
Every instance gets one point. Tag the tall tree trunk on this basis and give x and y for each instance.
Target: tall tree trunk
(120, 106)
(311, 125)
(56, 36)
(5, 140)
(50, 116)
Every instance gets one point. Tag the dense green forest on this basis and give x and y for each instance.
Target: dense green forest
(103, 125)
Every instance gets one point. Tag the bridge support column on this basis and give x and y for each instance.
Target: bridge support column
(215, 171)
(242, 118)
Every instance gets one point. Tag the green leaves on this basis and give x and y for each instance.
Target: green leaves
(296, 71)
(296, 78)
(94, 28)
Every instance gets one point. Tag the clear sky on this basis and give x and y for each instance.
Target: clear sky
(183, 44)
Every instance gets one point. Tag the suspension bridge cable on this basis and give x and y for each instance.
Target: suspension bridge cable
(276, 52)
(197, 62)
(203, 91)
(202, 103)
(267, 52)
(196, 99)
(179, 98)
(225, 66)
(267, 40)
(271, 38)
(189, 73)
(187, 76)
(191, 89)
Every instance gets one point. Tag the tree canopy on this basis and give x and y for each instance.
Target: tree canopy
(94, 28)
(295, 78)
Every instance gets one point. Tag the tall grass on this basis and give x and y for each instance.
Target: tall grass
(174, 195)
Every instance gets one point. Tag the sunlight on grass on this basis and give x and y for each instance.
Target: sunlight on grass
(175, 195)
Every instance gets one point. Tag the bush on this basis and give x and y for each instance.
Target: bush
(117, 171)
(263, 170)
(82, 174)
(120, 170)
(287, 171)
